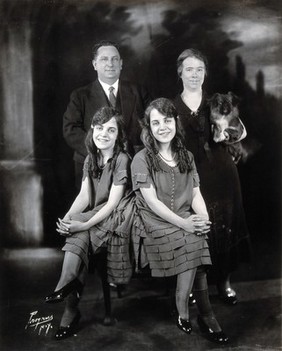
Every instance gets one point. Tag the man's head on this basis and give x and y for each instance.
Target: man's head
(107, 62)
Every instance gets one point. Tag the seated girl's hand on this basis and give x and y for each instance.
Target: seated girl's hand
(197, 224)
(67, 217)
(69, 227)
(62, 228)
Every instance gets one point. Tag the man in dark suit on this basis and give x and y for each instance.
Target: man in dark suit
(107, 90)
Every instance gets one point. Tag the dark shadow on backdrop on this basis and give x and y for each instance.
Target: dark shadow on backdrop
(62, 62)
(261, 173)
(62, 37)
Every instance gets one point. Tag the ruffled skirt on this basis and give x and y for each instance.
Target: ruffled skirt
(168, 249)
(112, 234)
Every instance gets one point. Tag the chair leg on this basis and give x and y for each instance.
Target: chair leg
(119, 290)
(102, 271)
(170, 292)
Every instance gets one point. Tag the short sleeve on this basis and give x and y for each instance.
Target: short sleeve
(122, 169)
(141, 176)
(85, 168)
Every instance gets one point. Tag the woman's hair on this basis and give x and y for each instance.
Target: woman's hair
(190, 53)
(103, 115)
(166, 108)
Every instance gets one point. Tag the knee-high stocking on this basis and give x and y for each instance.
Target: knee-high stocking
(70, 270)
(203, 302)
(183, 288)
(72, 301)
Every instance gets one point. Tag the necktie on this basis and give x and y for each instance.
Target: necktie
(112, 97)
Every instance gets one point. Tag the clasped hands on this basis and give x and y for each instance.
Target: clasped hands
(67, 227)
(197, 224)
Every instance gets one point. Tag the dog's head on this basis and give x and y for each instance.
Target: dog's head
(224, 106)
(224, 117)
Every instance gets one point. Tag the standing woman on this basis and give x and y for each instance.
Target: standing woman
(220, 184)
(104, 183)
(172, 220)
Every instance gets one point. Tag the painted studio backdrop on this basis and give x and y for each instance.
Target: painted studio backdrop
(46, 53)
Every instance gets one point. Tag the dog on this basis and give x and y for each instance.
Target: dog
(226, 125)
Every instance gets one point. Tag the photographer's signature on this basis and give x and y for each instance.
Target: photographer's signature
(40, 324)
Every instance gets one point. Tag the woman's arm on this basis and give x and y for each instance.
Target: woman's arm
(116, 193)
(194, 224)
(81, 201)
(79, 205)
(198, 203)
(115, 196)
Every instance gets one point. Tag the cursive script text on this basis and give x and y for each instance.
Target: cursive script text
(41, 324)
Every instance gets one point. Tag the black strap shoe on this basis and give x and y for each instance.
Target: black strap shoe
(69, 330)
(60, 295)
(184, 325)
(228, 296)
(217, 337)
(192, 300)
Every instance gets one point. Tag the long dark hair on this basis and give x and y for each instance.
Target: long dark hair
(166, 108)
(103, 115)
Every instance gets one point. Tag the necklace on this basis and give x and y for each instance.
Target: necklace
(165, 159)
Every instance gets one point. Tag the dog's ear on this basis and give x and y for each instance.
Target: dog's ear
(234, 98)
(212, 98)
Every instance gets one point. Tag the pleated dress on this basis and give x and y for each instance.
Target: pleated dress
(168, 249)
(106, 233)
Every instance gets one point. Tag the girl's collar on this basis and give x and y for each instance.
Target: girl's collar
(165, 166)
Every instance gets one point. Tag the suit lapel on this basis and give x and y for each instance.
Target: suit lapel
(126, 101)
(98, 95)
(96, 98)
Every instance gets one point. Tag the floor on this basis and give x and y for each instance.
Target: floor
(143, 319)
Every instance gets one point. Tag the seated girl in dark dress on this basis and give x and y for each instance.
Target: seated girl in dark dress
(172, 220)
(89, 224)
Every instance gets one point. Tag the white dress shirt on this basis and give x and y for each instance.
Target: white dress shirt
(106, 87)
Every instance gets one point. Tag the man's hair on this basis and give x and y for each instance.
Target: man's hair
(103, 43)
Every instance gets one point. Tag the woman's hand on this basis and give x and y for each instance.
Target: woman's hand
(67, 227)
(196, 224)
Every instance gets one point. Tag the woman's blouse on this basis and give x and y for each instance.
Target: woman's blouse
(197, 128)
(117, 175)
(173, 188)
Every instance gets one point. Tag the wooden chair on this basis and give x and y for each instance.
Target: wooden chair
(98, 262)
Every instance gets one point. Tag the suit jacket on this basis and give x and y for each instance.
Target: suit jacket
(85, 101)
